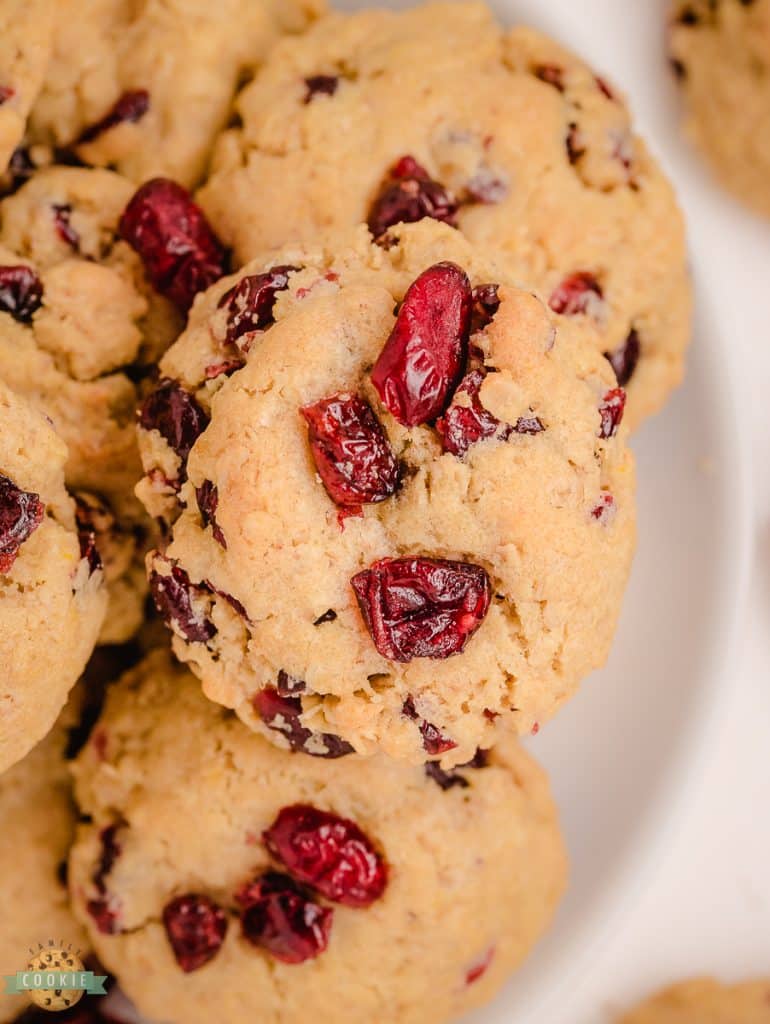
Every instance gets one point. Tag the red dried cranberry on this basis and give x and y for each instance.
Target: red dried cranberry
(104, 915)
(21, 292)
(6, 93)
(320, 85)
(196, 927)
(87, 535)
(21, 167)
(174, 597)
(574, 143)
(180, 252)
(604, 512)
(423, 358)
(480, 967)
(250, 304)
(486, 303)
(422, 607)
(409, 194)
(624, 359)
(611, 412)
(279, 917)
(350, 450)
(551, 74)
(449, 779)
(208, 499)
(128, 108)
(328, 853)
(61, 218)
(463, 425)
(289, 686)
(281, 712)
(102, 910)
(176, 415)
(433, 739)
(577, 293)
(21, 512)
(604, 87)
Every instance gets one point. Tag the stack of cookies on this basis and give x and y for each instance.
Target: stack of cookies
(334, 377)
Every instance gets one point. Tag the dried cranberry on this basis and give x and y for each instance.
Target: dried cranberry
(409, 194)
(61, 218)
(605, 510)
(208, 498)
(128, 108)
(611, 412)
(320, 85)
(328, 853)
(21, 512)
(174, 596)
(180, 252)
(250, 304)
(281, 712)
(87, 535)
(279, 917)
(574, 143)
(21, 167)
(486, 303)
(604, 87)
(463, 425)
(102, 910)
(577, 293)
(7, 92)
(480, 967)
(423, 358)
(176, 415)
(624, 359)
(350, 450)
(104, 915)
(21, 292)
(551, 74)
(433, 739)
(289, 686)
(196, 927)
(449, 779)
(422, 607)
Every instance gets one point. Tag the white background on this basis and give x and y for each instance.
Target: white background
(706, 904)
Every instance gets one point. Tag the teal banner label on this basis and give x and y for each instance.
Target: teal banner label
(32, 981)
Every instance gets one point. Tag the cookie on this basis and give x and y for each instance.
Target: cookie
(25, 50)
(146, 87)
(52, 599)
(720, 51)
(38, 817)
(429, 890)
(406, 532)
(705, 1001)
(81, 312)
(505, 133)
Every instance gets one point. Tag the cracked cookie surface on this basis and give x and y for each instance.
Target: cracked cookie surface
(474, 573)
(408, 877)
(514, 138)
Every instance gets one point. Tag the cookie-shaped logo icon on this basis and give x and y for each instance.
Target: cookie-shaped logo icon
(55, 958)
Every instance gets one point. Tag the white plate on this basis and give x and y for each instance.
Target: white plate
(624, 755)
